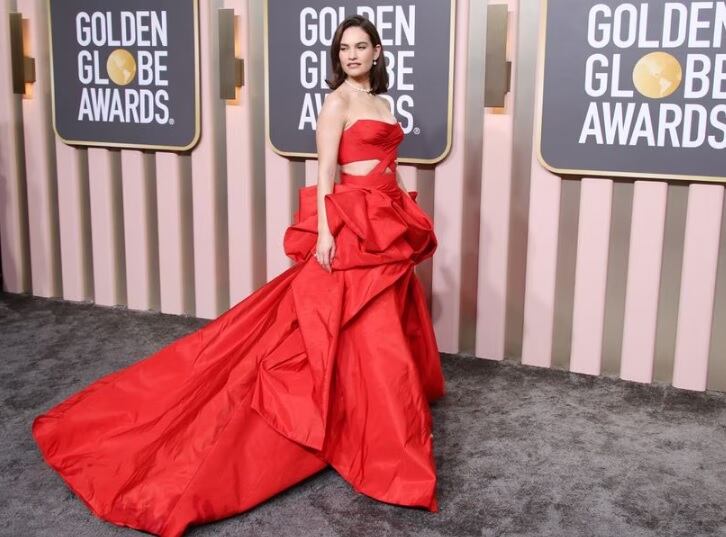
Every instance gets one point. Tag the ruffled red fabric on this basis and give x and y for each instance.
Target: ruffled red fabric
(312, 369)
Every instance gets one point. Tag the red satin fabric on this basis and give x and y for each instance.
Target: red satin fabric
(370, 139)
(312, 369)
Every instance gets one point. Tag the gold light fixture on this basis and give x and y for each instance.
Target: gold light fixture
(231, 68)
(498, 71)
(22, 66)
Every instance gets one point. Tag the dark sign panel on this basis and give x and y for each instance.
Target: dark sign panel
(418, 43)
(634, 89)
(126, 74)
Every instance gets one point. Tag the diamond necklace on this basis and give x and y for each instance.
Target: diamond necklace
(356, 88)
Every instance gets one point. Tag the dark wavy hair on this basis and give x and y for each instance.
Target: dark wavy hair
(378, 75)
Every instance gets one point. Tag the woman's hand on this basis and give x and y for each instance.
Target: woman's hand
(325, 250)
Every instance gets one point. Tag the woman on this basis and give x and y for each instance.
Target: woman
(333, 362)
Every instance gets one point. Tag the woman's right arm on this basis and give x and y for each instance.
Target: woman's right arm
(331, 121)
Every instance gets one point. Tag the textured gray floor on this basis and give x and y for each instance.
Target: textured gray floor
(520, 451)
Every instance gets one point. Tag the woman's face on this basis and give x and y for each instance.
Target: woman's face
(356, 51)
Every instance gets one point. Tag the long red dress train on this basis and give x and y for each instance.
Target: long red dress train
(313, 368)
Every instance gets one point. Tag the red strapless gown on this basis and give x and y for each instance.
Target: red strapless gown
(313, 368)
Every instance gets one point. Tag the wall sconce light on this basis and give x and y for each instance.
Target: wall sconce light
(231, 68)
(498, 71)
(22, 67)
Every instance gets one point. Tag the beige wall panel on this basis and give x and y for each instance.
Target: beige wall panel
(107, 232)
(140, 230)
(209, 176)
(175, 230)
(40, 177)
(650, 200)
(14, 243)
(588, 313)
(698, 282)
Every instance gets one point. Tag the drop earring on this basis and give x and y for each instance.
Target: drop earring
(374, 62)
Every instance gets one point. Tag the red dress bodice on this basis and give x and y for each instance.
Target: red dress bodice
(368, 139)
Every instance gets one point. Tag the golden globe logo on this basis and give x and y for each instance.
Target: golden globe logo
(657, 75)
(696, 28)
(121, 67)
(136, 43)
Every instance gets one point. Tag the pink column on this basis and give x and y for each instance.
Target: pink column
(107, 238)
(13, 197)
(644, 268)
(73, 203)
(142, 244)
(698, 283)
(539, 298)
(211, 264)
(542, 238)
(74, 221)
(494, 235)
(448, 203)
(174, 223)
(593, 240)
(40, 158)
(495, 201)
(281, 201)
(245, 182)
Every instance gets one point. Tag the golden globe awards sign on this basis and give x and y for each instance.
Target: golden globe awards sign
(634, 89)
(417, 38)
(125, 74)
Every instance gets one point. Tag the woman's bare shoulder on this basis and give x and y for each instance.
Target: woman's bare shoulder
(384, 106)
(335, 107)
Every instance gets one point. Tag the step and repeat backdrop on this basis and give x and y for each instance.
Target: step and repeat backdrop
(634, 89)
(126, 74)
(417, 39)
(579, 219)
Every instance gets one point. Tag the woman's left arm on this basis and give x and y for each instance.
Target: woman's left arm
(400, 183)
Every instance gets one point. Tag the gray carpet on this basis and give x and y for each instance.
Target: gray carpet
(520, 451)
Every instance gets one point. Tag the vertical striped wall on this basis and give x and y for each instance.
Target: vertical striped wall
(596, 276)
